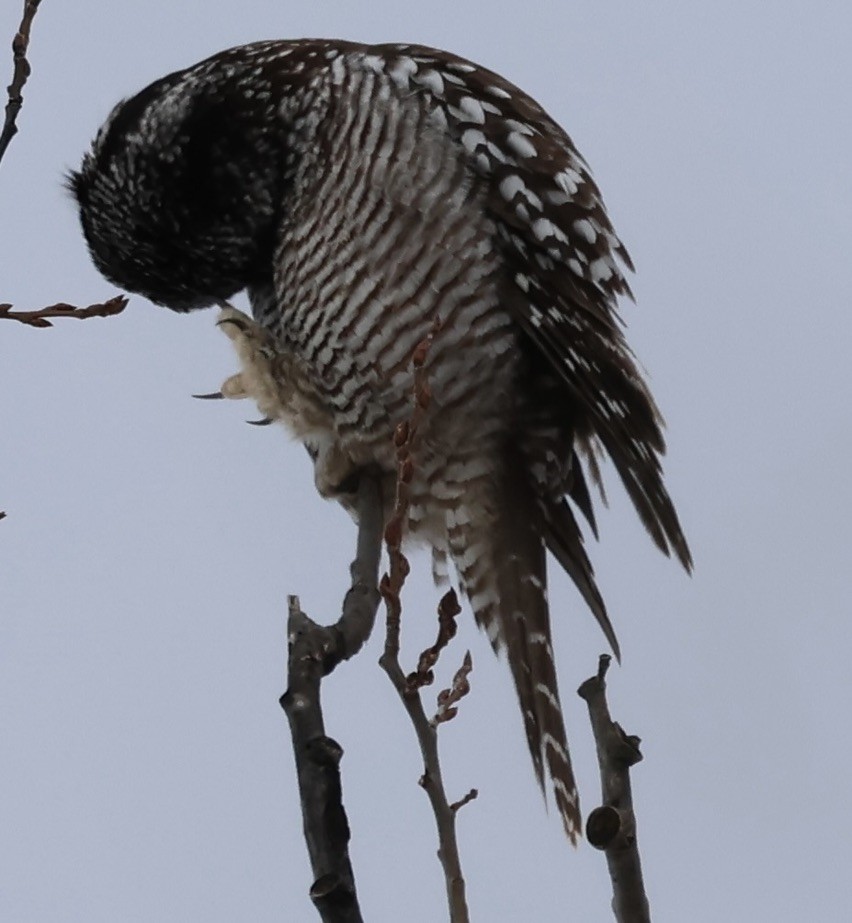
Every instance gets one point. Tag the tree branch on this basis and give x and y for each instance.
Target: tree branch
(313, 652)
(612, 827)
(39, 318)
(20, 73)
(408, 688)
(432, 780)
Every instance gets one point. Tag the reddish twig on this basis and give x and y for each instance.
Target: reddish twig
(448, 698)
(408, 687)
(612, 827)
(20, 73)
(448, 609)
(39, 318)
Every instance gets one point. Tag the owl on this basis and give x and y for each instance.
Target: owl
(361, 195)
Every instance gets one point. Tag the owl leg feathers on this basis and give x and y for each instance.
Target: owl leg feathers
(274, 380)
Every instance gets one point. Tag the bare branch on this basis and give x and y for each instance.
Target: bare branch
(39, 318)
(314, 651)
(612, 827)
(20, 73)
(408, 687)
(431, 781)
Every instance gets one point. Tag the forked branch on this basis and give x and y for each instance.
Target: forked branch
(313, 652)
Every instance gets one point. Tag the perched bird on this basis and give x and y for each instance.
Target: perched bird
(358, 193)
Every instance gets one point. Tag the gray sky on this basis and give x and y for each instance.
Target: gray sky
(145, 767)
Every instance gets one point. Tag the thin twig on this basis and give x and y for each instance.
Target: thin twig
(612, 827)
(313, 652)
(448, 698)
(20, 72)
(424, 675)
(39, 318)
(408, 686)
(433, 784)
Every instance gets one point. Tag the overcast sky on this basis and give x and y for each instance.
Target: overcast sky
(145, 766)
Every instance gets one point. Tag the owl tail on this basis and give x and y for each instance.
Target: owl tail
(502, 572)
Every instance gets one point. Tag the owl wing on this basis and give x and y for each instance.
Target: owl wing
(565, 264)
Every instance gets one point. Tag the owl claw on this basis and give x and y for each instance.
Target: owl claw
(264, 422)
(213, 396)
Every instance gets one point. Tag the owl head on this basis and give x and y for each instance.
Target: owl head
(180, 194)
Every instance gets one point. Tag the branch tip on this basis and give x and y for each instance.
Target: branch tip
(612, 827)
(20, 72)
(41, 317)
(456, 806)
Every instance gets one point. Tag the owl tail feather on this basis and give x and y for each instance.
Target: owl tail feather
(565, 542)
(505, 581)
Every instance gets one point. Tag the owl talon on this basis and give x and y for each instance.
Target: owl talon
(213, 396)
